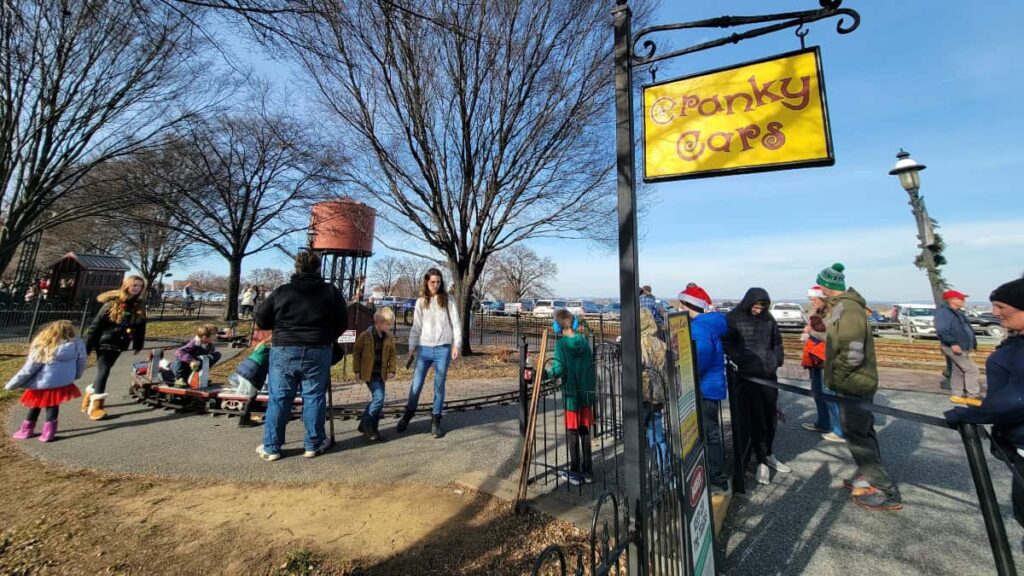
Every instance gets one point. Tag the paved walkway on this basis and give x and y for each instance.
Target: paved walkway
(803, 523)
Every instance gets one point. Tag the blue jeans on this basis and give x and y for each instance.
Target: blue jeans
(439, 357)
(828, 412)
(297, 369)
(656, 438)
(371, 416)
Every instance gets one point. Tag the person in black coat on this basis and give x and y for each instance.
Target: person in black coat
(307, 315)
(754, 344)
(119, 325)
(1003, 406)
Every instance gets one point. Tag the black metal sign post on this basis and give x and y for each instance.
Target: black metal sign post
(625, 58)
(632, 401)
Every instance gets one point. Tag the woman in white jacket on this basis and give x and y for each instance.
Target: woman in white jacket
(435, 340)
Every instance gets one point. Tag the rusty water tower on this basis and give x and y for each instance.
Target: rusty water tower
(341, 232)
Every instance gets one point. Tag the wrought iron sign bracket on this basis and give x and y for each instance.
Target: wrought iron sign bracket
(783, 20)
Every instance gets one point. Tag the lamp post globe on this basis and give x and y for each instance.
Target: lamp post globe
(908, 171)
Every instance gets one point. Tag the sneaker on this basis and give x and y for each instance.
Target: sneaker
(833, 437)
(763, 475)
(965, 400)
(264, 455)
(811, 427)
(318, 450)
(857, 486)
(570, 477)
(180, 383)
(879, 500)
(774, 464)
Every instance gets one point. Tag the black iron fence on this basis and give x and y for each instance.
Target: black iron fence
(551, 467)
(508, 331)
(20, 322)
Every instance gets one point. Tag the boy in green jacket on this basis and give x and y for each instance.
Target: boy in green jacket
(574, 364)
(851, 371)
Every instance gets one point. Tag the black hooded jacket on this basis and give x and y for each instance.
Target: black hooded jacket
(754, 343)
(304, 312)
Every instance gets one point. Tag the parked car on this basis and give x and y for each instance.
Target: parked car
(788, 315)
(492, 307)
(726, 306)
(526, 305)
(575, 306)
(917, 319)
(590, 308)
(386, 303)
(547, 308)
(986, 324)
(612, 310)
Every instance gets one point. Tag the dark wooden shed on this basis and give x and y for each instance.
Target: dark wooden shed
(78, 278)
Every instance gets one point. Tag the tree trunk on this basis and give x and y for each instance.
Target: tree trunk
(234, 280)
(464, 280)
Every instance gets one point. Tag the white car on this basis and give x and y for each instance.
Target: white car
(576, 307)
(547, 308)
(788, 315)
(917, 319)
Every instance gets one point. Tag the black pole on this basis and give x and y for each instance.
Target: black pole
(524, 401)
(987, 499)
(632, 402)
(85, 318)
(35, 316)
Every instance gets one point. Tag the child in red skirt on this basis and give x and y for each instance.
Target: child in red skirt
(574, 364)
(55, 360)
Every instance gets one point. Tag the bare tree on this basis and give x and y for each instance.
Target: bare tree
(473, 125)
(269, 278)
(521, 273)
(410, 273)
(386, 274)
(239, 181)
(83, 83)
(206, 281)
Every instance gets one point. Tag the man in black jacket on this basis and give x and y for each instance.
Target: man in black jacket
(307, 315)
(754, 344)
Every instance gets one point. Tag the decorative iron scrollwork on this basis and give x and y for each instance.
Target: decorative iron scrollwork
(602, 545)
(829, 9)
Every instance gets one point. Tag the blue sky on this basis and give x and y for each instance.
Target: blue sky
(942, 82)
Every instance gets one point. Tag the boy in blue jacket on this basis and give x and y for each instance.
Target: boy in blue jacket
(707, 330)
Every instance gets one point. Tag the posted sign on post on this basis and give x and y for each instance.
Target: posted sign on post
(764, 115)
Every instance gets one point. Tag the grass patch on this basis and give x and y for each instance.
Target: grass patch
(185, 329)
(302, 562)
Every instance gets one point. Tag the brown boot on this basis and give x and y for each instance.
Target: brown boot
(85, 398)
(96, 411)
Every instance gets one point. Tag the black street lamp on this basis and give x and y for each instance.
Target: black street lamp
(909, 173)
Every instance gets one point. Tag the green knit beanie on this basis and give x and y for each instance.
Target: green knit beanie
(833, 277)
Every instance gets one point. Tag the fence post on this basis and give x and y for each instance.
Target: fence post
(601, 322)
(739, 433)
(480, 331)
(987, 499)
(35, 317)
(524, 401)
(85, 317)
(518, 333)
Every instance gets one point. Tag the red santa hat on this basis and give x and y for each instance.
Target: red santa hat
(696, 297)
(816, 292)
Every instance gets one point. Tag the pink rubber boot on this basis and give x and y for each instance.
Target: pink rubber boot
(27, 430)
(49, 431)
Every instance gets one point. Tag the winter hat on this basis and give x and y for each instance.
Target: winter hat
(1011, 293)
(815, 292)
(833, 278)
(695, 297)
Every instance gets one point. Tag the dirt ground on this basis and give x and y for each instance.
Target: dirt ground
(60, 521)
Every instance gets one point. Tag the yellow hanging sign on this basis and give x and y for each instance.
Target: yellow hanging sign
(765, 115)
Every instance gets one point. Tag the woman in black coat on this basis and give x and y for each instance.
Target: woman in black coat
(754, 344)
(120, 324)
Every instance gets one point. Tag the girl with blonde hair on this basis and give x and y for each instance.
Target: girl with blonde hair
(120, 324)
(55, 360)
